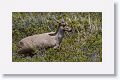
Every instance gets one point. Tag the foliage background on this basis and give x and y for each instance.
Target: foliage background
(83, 44)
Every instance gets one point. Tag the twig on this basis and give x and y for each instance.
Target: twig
(78, 35)
(89, 21)
(49, 28)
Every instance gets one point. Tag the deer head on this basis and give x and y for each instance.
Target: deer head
(63, 25)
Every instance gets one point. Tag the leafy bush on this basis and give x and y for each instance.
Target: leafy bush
(83, 44)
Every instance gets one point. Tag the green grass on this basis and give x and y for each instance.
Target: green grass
(83, 44)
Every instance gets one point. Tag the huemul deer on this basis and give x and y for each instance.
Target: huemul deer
(45, 40)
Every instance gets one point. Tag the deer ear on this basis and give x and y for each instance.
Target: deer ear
(62, 20)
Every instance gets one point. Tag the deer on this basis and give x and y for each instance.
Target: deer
(44, 40)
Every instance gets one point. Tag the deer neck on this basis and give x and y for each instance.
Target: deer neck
(59, 35)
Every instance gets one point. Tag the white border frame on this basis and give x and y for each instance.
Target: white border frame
(104, 67)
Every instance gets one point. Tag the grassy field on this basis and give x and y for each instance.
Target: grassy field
(83, 44)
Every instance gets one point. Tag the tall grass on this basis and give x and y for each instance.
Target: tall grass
(83, 44)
